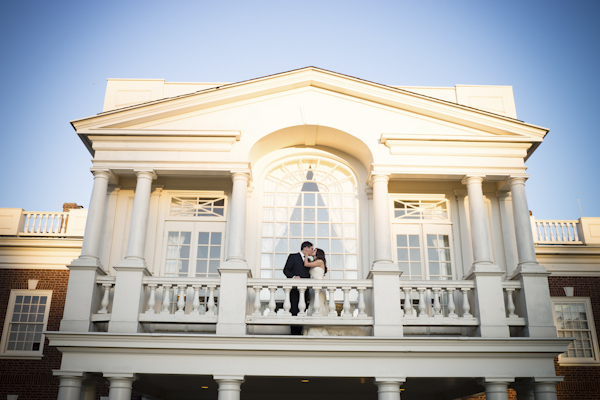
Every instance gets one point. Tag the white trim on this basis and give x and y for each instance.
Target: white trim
(7, 321)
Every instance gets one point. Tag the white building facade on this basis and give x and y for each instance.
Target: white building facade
(416, 195)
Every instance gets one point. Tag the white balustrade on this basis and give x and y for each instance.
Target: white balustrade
(271, 302)
(546, 231)
(437, 302)
(44, 223)
(180, 300)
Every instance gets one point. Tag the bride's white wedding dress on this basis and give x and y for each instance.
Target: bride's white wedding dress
(318, 273)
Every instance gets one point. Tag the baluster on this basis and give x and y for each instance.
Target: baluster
(510, 306)
(302, 302)
(210, 303)
(196, 300)
(272, 304)
(317, 302)
(151, 298)
(181, 299)
(437, 307)
(465, 304)
(408, 307)
(166, 303)
(287, 303)
(105, 298)
(565, 236)
(422, 303)
(332, 312)
(569, 229)
(49, 223)
(35, 223)
(26, 225)
(451, 305)
(361, 302)
(575, 234)
(257, 304)
(346, 313)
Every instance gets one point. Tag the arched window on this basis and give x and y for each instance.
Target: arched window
(314, 199)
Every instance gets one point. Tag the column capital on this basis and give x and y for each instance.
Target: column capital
(503, 195)
(472, 179)
(395, 379)
(72, 374)
(102, 173)
(379, 177)
(240, 175)
(145, 173)
(517, 179)
(460, 193)
(238, 378)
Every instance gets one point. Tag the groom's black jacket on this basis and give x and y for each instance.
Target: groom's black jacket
(294, 266)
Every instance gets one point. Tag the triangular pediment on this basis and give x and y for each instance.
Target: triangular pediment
(310, 93)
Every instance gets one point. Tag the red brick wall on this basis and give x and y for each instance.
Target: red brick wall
(581, 382)
(32, 379)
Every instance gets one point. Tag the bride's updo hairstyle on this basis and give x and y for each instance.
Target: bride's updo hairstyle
(320, 254)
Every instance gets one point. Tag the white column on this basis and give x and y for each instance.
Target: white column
(508, 231)
(545, 388)
(236, 238)
(82, 288)
(70, 384)
(387, 321)
(229, 387)
(525, 246)
(381, 220)
(496, 388)
(534, 298)
(129, 289)
(489, 296)
(464, 228)
(120, 386)
(139, 215)
(480, 231)
(389, 388)
(90, 249)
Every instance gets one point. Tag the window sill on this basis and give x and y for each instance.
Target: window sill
(21, 356)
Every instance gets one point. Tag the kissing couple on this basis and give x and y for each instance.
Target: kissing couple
(308, 263)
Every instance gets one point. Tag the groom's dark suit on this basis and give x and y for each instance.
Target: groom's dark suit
(294, 266)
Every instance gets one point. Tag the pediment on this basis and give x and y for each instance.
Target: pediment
(310, 96)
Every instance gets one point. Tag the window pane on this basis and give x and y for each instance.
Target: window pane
(215, 252)
(413, 241)
(203, 237)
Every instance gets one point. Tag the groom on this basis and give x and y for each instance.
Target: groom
(294, 268)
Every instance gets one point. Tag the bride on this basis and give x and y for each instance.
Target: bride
(318, 269)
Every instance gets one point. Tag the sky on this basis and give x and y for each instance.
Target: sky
(57, 55)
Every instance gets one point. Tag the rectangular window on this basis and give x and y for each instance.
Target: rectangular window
(573, 318)
(193, 249)
(26, 319)
(198, 206)
(424, 251)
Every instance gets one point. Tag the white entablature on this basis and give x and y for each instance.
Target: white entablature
(315, 108)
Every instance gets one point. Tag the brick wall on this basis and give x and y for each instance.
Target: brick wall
(581, 382)
(32, 379)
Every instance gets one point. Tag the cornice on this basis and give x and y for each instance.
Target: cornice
(273, 343)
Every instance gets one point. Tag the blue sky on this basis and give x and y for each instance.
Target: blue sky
(57, 56)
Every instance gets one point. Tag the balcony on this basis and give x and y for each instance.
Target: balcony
(584, 231)
(192, 305)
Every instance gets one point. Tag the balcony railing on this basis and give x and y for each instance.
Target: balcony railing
(16, 222)
(566, 232)
(191, 304)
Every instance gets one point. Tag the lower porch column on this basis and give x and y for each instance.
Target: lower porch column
(120, 386)
(545, 388)
(70, 384)
(389, 388)
(229, 387)
(496, 388)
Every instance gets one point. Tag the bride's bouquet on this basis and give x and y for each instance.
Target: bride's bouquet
(311, 258)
